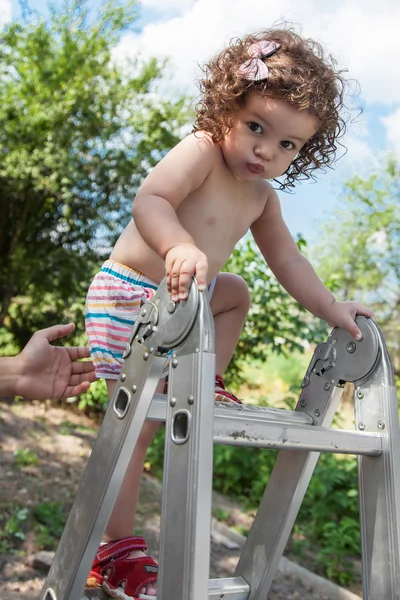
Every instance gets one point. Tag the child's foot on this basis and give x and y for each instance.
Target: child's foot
(123, 570)
(221, 395)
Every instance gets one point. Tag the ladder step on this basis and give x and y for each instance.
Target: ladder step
(229, 588)
(277, 428)
(158, 410)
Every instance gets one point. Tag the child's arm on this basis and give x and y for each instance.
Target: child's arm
(296, 274)
(181, 172)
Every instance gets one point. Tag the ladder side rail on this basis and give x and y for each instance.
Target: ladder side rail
(188, 466)
(103, 475)
(376, 410)
(283, 496)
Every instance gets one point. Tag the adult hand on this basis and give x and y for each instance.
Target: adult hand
(46, 371)
(343, 314)
(181, 263)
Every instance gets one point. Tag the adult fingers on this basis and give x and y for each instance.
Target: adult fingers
(78, 378)
(85, 366)
(76, 390)
(56, 331)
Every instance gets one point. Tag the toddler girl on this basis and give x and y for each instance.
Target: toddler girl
(270, 107)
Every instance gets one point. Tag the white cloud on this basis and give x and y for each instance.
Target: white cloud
(392, 124)
(5, 12)
(167, 5)
(362, 34)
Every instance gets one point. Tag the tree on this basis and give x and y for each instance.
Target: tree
(78, 135)
(276, 322)
(360, 255)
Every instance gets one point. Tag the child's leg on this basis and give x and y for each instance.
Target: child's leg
(122, 519)
(121, 522)
(229, 305)
(113, 303)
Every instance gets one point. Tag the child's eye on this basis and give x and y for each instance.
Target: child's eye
(287, 145)
(255, 127)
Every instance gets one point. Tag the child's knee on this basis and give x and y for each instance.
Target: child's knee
(231, 293)
(241, 292)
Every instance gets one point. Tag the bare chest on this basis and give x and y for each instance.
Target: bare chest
(221, 208)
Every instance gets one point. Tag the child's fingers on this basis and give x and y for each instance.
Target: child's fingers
(356, 333)
(364, 311)
(353, 328)
(201, 274)
(185, 279)
(175, 278)
(173, 270)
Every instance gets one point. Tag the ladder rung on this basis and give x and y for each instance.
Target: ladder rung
(281, 429)
(299, 437)
(158, 409)
(232, 588)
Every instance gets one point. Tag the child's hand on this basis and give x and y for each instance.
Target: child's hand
(181, 263)
(343, 314)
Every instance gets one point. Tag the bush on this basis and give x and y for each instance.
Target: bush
(328, 519)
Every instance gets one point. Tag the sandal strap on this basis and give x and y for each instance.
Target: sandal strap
(219, 381)
(120, 547)
(131, 574)
(223, 392)
(228, 396)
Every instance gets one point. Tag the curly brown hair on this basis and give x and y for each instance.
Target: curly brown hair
(300, 72)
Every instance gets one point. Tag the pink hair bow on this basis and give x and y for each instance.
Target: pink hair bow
(255, 69)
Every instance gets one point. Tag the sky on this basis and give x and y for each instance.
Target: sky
(363, 36)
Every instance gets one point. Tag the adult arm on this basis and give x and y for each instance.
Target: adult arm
(43, 371)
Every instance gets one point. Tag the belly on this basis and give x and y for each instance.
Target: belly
(132, 251)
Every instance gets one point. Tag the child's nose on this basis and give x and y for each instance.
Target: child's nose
(264, 151)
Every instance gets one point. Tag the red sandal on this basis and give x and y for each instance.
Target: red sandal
(120, 575)
(222, 395)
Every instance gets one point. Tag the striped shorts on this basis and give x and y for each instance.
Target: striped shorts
(112, 305)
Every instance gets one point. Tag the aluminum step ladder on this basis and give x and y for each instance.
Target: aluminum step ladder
(185, 333)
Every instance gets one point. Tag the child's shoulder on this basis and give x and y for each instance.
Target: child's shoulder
(267, 192)
(201, 141)
(268, 198)
(194, 149)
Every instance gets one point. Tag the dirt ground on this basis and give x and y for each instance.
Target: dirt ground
(44, 450)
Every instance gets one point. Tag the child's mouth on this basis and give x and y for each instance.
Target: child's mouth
(256, 169)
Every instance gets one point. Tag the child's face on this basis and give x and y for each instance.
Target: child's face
(265, 137)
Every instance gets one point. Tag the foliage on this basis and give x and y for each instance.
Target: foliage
(48, 518)
(49, 522)
(69, 428)
(12, 519)
(360, 253)
(276, 322)
(328, 519)
(25, 458)
(329, 515)
(95, 399)
(155, 454)
(78, 136)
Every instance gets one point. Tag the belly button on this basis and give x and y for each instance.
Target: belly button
(211, 221)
